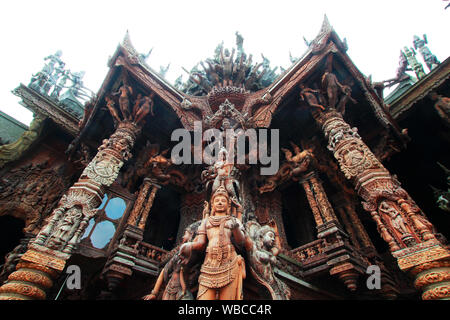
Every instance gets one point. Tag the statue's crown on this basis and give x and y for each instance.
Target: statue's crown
(220, 191)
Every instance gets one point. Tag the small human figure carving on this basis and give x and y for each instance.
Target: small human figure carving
(66, 228)
(124, 93)
(299, 161)
(309, 96)
(224, 172)
(347, 91)
(145, 108)
(395, 217)
(88, 107)
(112, 109)
(136, 106)
(332, 87)
(226, 60)
(262, 258)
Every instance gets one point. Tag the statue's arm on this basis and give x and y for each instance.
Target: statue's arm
(240, 236)
(182, 282)
(156, 288)
(199, 243)
(201, 240)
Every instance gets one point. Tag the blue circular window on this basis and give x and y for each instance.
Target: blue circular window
(102, 234)
(115, 208)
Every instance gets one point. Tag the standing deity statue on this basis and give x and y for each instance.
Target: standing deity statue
(61, 83)
(332, 87)
(124, 100)
(112, 109)
(50, 71)
(226, 60)
(223, 270)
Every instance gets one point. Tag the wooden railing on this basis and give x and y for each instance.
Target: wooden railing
(309, 251)
(150, 252)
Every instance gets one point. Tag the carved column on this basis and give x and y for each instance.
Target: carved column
(401, 223)
(324, 215)
(144, 202)
(47, 254)
(312, 202)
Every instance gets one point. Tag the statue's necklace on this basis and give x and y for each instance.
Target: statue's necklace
(216, 221)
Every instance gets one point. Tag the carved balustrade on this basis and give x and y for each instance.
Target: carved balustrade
(147, 251)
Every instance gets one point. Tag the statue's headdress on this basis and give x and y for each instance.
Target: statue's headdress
(220, 191)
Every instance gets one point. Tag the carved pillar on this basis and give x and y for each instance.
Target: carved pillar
(324, 215)
(144, 202)
(312, 202)
(47, 254)
(411, 237)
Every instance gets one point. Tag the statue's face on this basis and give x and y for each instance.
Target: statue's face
(220, 204)
(226, 124)
(269, 239)
(186, 236)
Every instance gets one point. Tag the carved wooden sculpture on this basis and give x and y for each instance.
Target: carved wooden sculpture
(262, 258)
(223, 270)
(174, 273)
(401, 223)
(47, 255)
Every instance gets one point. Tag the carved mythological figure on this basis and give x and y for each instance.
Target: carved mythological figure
(309, 96)
(262, 259)
(175, 273)
(223, 270)
(295, 165)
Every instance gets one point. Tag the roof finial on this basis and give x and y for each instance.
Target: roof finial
(126, 40)
(326, 26)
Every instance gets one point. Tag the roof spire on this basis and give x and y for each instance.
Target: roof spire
(126, 42)
(326, 26)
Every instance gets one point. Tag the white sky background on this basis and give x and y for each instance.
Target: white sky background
(185, 32)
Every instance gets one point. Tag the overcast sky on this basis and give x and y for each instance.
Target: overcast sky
(185, 32)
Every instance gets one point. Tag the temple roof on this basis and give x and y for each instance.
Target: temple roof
(261, 99)
(405, 98)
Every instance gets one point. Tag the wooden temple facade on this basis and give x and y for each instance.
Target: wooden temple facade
(354, 189)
